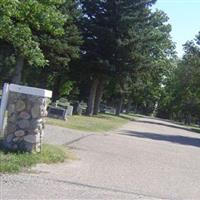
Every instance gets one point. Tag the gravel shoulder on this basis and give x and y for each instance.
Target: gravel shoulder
(145, 159)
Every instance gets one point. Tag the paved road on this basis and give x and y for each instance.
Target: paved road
(146, 159)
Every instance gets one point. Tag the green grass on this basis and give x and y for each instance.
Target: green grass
(194, 128)
(100, 123)
(16, 162)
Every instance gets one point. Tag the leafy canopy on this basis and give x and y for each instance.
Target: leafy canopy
(21, 19)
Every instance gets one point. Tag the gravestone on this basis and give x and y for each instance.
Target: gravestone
(77, 110)
(102, 108)
(57, 112)
(27, 107)
(69, 110)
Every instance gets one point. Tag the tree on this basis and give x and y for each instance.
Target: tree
(147, 49)
(60, 51)
(140, 77)
(97, 49)
(7, 60)
(110, 37)
(19, 23)
(181, 95)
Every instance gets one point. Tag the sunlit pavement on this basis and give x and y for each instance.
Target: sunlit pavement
(146, 159)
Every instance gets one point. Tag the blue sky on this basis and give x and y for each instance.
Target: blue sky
(184, 17)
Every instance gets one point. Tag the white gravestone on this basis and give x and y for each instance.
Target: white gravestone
(69, 111)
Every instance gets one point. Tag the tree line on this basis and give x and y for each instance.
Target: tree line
(116, 52)
(180, 98)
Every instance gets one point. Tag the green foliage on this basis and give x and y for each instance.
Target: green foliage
(124, 45)
(7, 61)
(19, 20)
(123, 40)
(60, 51)
(144, 59)
(66, 88)
(181, 96)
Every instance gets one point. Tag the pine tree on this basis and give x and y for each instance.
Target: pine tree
(112, 33)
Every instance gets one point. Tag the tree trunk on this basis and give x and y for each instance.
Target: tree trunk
(99, 94)
(44, 78)
(119, 106)
(17, 77)
(90, 104)
(129, 106)
(189, 119)
(56, 88)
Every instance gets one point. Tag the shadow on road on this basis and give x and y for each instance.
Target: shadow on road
(178, 139)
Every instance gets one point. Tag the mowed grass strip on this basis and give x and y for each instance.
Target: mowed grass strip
(99, 123)
(16, 162)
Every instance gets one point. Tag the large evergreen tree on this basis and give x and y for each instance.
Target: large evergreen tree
(111, 31)
(122, 39)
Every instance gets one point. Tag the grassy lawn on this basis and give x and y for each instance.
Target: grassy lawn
(102, 122)
(15, 162)
(194, 129)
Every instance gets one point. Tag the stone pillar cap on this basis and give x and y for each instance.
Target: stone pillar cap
(30, 90)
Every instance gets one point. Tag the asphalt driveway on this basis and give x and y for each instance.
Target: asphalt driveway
(145, 159)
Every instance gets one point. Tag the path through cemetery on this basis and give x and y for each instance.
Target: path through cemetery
(145, 159)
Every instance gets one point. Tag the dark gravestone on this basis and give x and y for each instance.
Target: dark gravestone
(102, 108)
(57, 112)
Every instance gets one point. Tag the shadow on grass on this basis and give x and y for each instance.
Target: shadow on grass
(127, 117)
(178, 139)
(104, 116)
(98, 116)
(110, 115)
(195, 130)
(5, 150)
(2, 148)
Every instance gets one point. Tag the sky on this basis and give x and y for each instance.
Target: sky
(184, 16)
